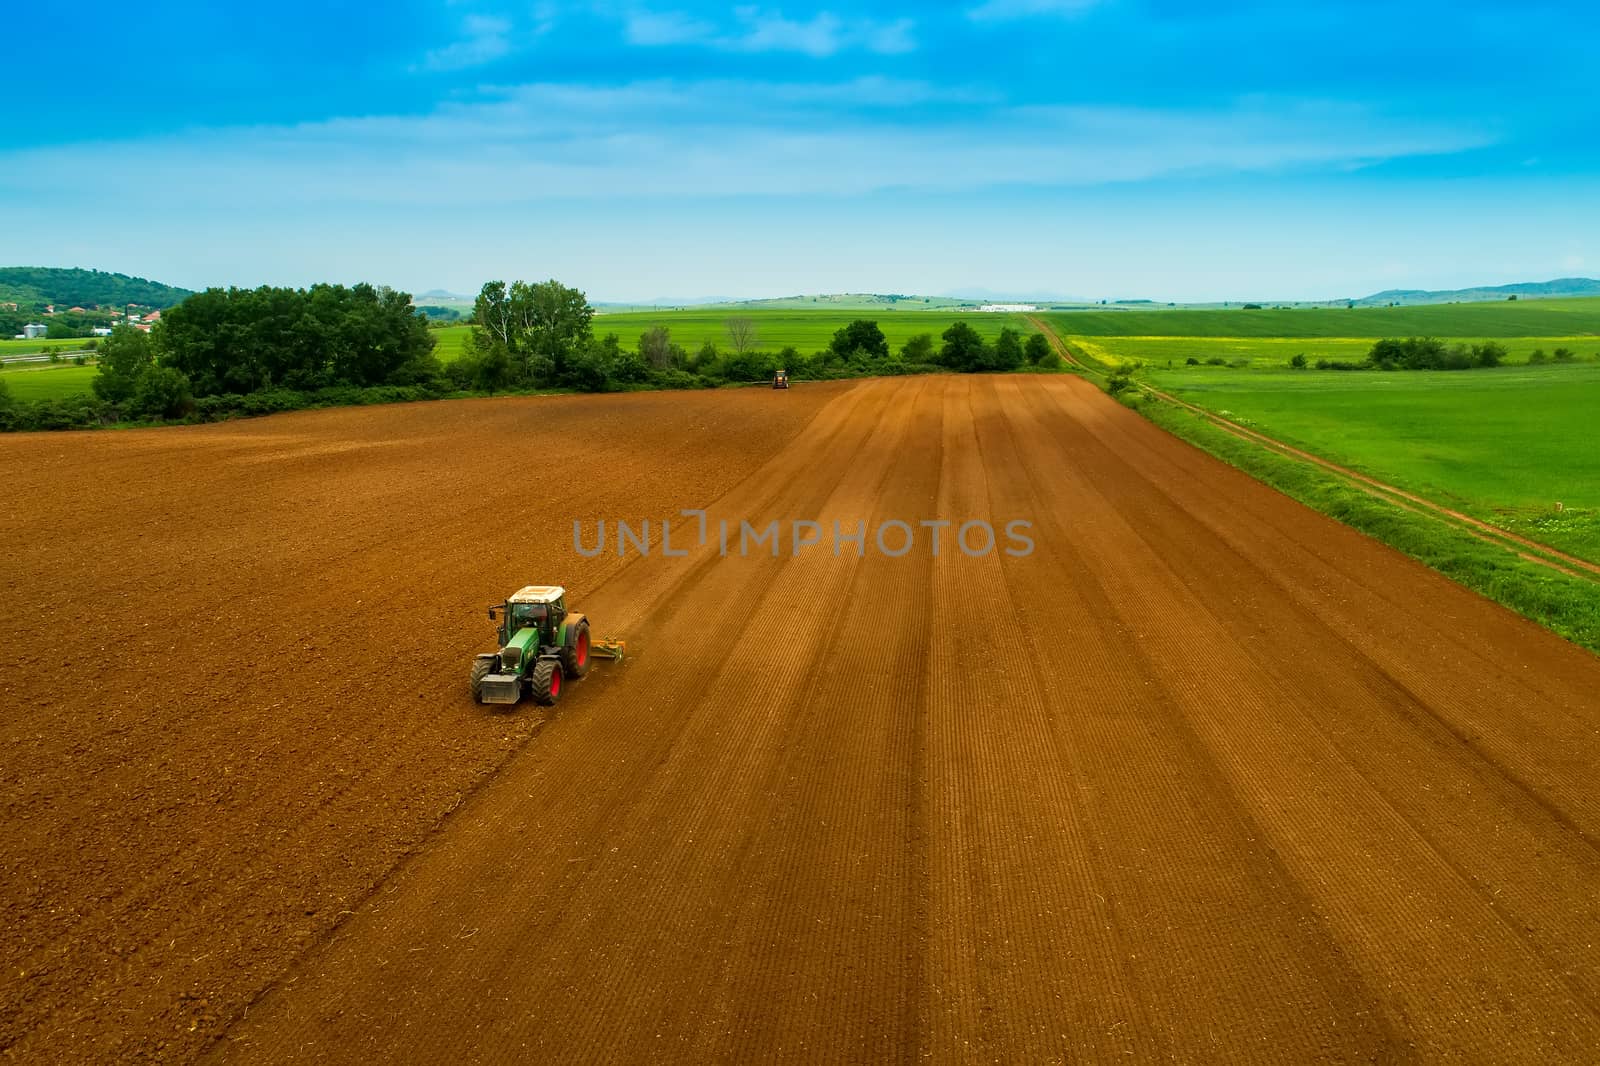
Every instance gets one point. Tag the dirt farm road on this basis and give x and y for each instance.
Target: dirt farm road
(1205, 776)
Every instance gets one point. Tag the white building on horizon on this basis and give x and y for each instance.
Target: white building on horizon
(1008, 309)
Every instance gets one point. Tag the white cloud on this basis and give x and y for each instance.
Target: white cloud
(1005, 10)
(651, 28)
(484, 39)
(755, 29)
(709, 139)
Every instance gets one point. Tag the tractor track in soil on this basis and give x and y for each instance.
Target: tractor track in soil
(1206, 775)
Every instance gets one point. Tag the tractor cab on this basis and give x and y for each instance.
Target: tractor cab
(780, 380)
(543, 607)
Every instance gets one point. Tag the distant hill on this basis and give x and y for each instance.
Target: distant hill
(1530, 289)
(34, 287)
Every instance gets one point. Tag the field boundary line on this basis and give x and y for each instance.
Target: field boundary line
(1532, 550)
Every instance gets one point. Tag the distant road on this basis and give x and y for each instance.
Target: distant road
(42, 357)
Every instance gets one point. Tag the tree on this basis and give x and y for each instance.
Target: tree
(163, 393)
(655, 344)
(557, 320)
(539, 327)
(742, 334)
(706, 358)
(964, 350)
(244, 340)
(860, 336)
(1298, 361)
(124, 359)
(1037, 349)
(1007, 351)
(919, 349)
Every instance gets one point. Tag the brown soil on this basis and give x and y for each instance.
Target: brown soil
(1206, 776)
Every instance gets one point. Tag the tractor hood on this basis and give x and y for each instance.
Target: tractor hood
(523, 643)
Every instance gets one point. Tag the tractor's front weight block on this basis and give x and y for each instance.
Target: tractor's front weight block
(500, 688)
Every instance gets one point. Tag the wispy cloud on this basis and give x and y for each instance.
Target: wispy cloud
(484, 38)
(756, 29)
(1006, 10)
(707, 139)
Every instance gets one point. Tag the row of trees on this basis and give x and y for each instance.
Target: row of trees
(541, 336)
(248, 351)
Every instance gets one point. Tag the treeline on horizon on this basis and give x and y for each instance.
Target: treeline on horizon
(228, 352)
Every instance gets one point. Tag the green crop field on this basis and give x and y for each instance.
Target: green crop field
(1523, 318)
(9, 347)
(1504, 445)
(47, 381)
(807, 331)
(1277, 351)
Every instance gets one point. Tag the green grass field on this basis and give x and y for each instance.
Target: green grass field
(9, 347)
(1264, 352)
(1523, 318)
(1503, 445)
(807, 331)
(47, 381)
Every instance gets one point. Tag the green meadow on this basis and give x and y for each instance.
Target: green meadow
(1504, 445)
(806, 331)
(10, 347)
(1268, 352)
(1521, 318)
(46, 381)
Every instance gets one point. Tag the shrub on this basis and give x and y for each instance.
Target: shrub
(1537, 356)
(919, 349)
(1191, 361)
(1216, 360)
(1491, 353)
(1120, 382)
(1298, 361)
(1563, 355)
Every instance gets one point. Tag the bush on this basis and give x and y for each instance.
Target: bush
(860, 335)
(1563, 355)
(1120, 381)
(1490, 353)
(918, 349)
(1191, 361)
(1537, 356)
(1216, 360)
(964, 350)
(1298, 361)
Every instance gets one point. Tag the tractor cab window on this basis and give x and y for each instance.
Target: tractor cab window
(528, 614)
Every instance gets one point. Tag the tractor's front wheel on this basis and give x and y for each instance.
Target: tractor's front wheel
(480, 670)
(575, 659)
(545, 682)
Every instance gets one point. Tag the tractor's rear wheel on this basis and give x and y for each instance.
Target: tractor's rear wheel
(575, 660)
(480, 670)
(545, 682)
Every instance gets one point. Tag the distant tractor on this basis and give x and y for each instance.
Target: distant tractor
(780, 380)
(542, 647)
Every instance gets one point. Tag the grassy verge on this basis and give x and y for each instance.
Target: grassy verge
(1567, 605)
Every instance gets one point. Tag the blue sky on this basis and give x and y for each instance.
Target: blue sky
(1088, 148)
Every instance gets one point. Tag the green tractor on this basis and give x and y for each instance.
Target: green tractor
(542, 647)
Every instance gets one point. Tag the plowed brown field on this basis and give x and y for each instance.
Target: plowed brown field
(1207, 776)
